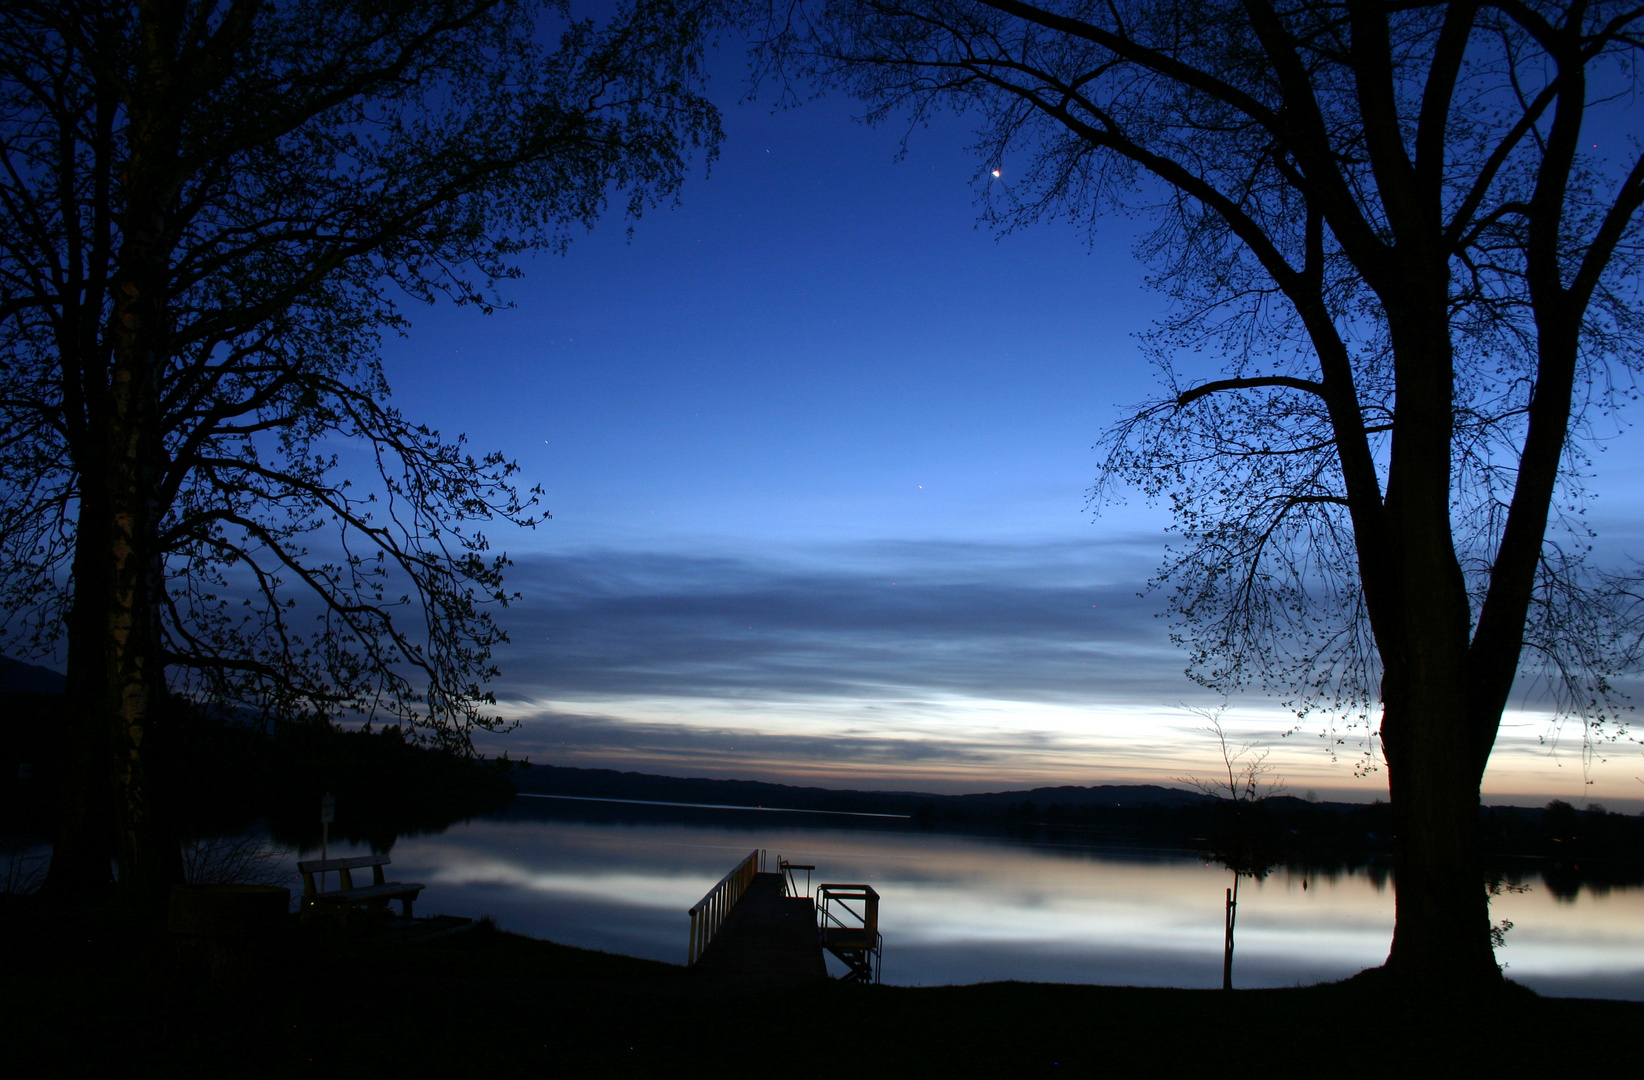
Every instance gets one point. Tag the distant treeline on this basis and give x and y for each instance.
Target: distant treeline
(229, 774)
(226, 775)
(1566, 846)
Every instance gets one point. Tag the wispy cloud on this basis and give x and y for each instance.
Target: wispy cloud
(953, 666)
(936, 666)
(1025, 623)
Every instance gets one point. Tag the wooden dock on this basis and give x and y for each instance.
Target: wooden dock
(767, 932)
(759, 923)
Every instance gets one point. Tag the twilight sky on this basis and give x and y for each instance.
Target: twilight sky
(818, 449)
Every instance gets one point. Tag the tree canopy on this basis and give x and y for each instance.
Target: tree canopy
(1411, 232)
(213, 209)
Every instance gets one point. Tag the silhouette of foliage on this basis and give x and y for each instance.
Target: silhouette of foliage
(212, 211)
(1393, 227)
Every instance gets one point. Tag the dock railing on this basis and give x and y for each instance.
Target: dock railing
(710, 911)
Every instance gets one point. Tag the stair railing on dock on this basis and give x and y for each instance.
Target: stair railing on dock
(851, 933)
(790, 884)
(710, 911)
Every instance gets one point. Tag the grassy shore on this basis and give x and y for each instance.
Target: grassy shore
(88, 993)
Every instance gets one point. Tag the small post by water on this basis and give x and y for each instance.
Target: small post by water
(328, 814)
(1227, 943)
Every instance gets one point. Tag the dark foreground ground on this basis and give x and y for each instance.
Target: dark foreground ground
(87, 996)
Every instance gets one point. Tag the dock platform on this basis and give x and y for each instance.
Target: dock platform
(759, 923)
(767, 932)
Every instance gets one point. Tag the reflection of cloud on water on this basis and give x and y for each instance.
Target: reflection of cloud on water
(1593, 946)
(1628, 986)
(632, 890)
(969, 909)
(949, 917)
(1148, 921)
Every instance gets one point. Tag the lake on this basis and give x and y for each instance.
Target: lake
(964, 909)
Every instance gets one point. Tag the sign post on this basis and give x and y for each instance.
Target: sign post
(328, 814)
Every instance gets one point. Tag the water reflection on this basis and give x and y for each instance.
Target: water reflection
(960, 909)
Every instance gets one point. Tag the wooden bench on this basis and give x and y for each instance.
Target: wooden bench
(374, 896)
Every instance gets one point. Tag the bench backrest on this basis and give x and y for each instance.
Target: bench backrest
(345, 870)
(316, 866)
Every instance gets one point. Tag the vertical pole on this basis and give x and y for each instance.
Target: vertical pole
(1227, 944)
(328, 810)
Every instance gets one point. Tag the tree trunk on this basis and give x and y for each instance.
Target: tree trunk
(83, 842)
(1441, 932)
(139, 336)
(134, 685)
(1442, 926)
(112, 803)
(146, 850)
(149, 858)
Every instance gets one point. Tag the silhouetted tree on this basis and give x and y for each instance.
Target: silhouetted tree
(1240, 842)
(211, 211)
(1245, 769)
(1412, 230)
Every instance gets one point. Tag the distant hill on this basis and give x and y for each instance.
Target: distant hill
(1116, 795)
(611, 784)
(1574, 848)
(17, 677)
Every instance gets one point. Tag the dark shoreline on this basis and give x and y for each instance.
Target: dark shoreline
(481, 1002)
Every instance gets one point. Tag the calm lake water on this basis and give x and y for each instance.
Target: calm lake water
(963, 909)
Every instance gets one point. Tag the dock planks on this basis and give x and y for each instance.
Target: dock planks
(767, 933)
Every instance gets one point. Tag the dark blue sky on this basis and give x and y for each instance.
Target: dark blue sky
(818, 450)
(815, 332)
